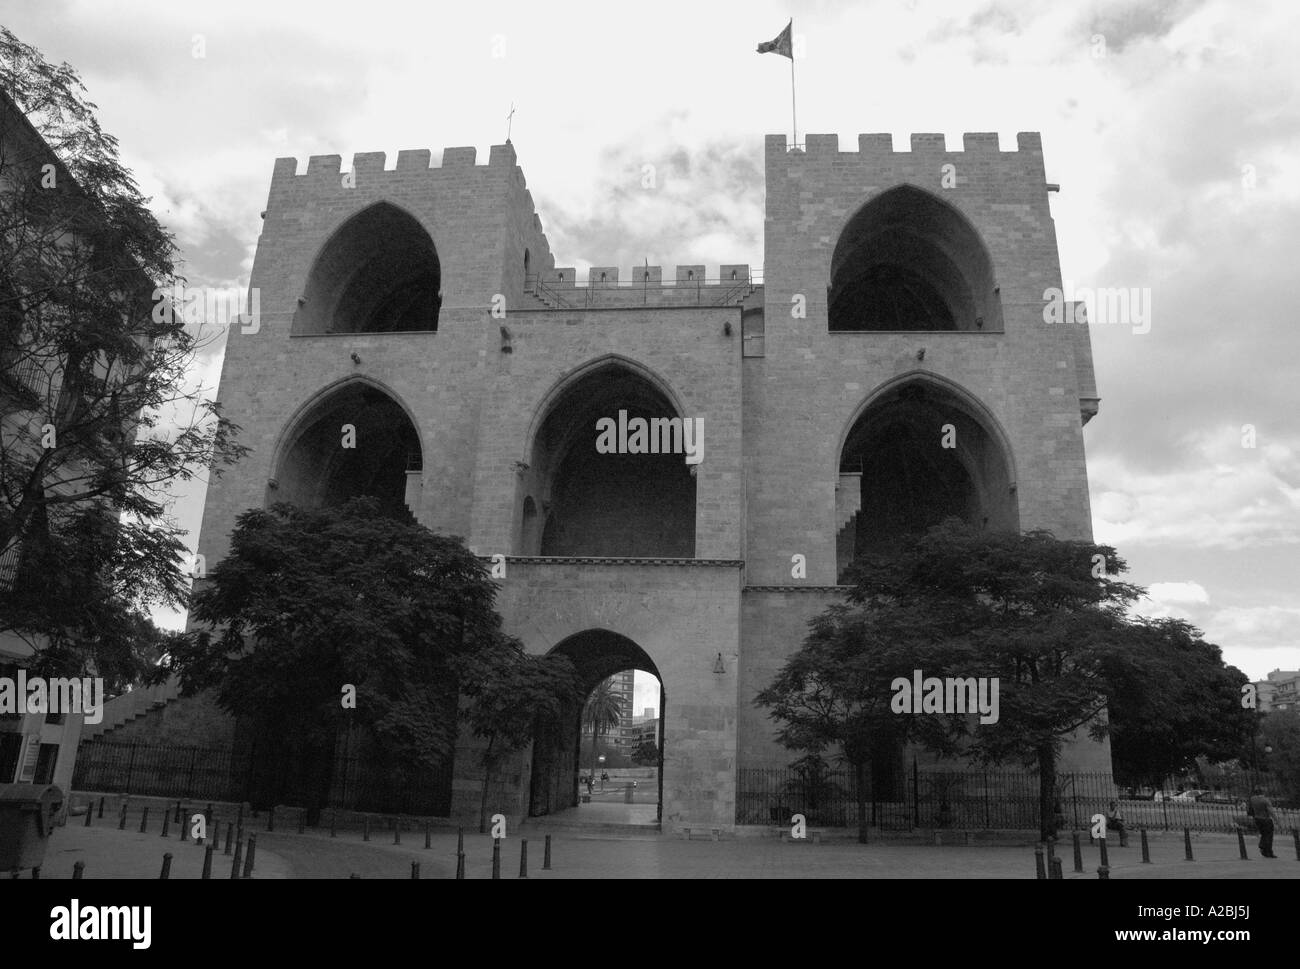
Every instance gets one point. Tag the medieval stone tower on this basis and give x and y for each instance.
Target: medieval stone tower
(901, 291)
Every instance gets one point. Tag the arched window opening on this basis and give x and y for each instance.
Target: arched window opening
(379, 273)
(909, 261)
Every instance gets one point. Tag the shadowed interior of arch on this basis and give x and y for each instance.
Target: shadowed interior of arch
(317, 470)
(579, 501)
(898, 477)
(596, 654)
(908, 261)
(379, 273)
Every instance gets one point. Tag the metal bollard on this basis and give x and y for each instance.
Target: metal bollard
(1187, 843)
(428, 843)
(1054, 868)
(1146, 849)
(248, 858)
(1078, 854)
(167, 867)
(365, 828)
(78, 870)
(167, 822)
(415, 871)
(546, 855)
(1038, 863)
(144, 819)
(1105, 855)
(239, 859)
(460, 854)
(207, 862)
(177, 819)
(230, 836)
(101, 809)
(90, 812)
(1103, 873)
(496, 857)
(1241, 844)
(121, 821)
(523, 858)
(185, 829)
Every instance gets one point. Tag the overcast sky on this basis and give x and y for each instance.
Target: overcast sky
(1173, 129)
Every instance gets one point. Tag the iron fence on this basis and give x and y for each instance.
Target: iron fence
(984, 800)
(240, 773)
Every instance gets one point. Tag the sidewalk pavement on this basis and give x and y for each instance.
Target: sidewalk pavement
(110, 853)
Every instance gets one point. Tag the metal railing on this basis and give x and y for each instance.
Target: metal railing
(977, 800)
(696, 292)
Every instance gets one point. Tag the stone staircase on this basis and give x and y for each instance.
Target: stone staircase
(121, 710)
(848, 503)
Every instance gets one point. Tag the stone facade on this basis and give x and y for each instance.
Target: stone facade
(516, 334)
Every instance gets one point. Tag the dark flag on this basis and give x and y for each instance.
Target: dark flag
(781, 45)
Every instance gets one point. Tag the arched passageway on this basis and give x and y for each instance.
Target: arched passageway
(598, 655)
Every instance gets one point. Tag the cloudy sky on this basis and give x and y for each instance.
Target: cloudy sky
(1172, 127)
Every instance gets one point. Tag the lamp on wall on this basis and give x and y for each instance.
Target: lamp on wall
(717, 665)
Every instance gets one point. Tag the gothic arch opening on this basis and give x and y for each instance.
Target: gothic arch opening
(356, 441)
(379, 273)
(918, 454)
(599, 656)
(630, 505)
(910, 261)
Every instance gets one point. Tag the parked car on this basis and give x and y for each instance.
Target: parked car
(1219, 797)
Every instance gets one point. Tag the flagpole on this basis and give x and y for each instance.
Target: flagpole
(794, 118)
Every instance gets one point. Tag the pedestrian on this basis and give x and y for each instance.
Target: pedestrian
(591, 784)
(1261, 809)
(1115, 822)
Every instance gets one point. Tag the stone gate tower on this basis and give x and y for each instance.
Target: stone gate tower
(901, 291)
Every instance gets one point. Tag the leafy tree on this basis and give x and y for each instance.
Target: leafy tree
(1043, 616)
(646, 754)
(508, 691)
(1280, 731)
(101, 413)
(602, 713)
(310, 603)
(1171, 701)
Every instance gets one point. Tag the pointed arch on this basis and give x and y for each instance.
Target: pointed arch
(908, 259)
(377, 272)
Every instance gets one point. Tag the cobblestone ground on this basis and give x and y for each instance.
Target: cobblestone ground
(109, 853)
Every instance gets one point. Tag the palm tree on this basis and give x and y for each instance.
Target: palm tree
(603, 711)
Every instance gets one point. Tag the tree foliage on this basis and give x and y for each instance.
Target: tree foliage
(1045, 617)
(102, 414)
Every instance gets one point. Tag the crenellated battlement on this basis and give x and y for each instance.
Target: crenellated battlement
(687, 275)
(878, 146)
(409, 161)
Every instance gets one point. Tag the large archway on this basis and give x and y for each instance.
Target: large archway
(920, 452)
(379, 273)
(598, 655)
(355, 441)
(578, 501)
(909, 261)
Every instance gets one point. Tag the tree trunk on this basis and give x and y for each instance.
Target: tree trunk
(861, 768)
(1047, 792)
(487, 777)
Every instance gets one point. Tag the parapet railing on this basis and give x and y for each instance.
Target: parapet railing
(698, 291)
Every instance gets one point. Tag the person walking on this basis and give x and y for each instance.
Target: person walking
(1260, 808)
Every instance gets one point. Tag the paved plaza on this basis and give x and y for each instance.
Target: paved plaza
(110, 853)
